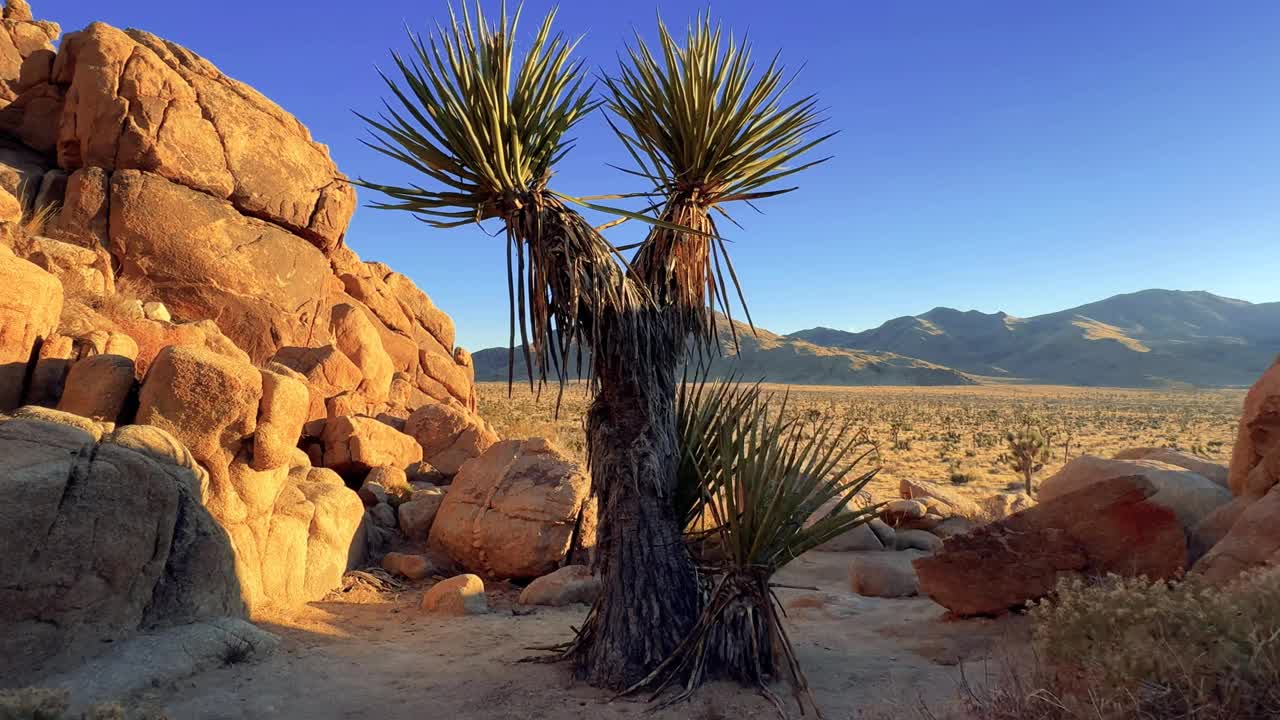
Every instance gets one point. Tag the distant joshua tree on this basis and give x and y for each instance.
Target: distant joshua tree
(705, 129)
(1028, 451)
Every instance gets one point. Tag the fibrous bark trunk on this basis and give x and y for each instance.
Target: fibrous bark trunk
(650, 597)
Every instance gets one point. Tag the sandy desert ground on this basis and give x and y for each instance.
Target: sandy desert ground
(384, 658)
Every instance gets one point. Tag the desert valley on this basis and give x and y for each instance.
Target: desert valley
(245, 473)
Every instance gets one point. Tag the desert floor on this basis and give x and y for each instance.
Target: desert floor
(950, 434)
(380, 657)
(384, 658)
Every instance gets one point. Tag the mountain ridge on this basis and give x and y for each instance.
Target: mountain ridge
(1148, 338)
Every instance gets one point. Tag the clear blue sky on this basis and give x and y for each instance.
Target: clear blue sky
(993, 154)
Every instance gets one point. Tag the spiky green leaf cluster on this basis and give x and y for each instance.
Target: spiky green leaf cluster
(699, 117)
(773, 487)
(705, 129)
(485, 130)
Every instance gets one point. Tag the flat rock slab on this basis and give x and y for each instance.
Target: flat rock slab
(162, 658)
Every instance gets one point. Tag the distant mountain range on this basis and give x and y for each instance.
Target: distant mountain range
(1151, 338)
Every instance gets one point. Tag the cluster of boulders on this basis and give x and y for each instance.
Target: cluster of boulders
(1153, 512)
(912, 526)
(521, 511)
(209, 405)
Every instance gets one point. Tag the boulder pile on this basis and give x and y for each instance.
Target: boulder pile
(913, 525)
(209, 404)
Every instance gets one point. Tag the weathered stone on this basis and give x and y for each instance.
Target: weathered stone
(1210, 531)
(394, 481)
(85, 213)
(263, 286)
(29, 311)
(1110, 526)
(328, 373)
(136, 101)
(26, 50)
(49, 376)
(92, 428)
(414, 567)
(884, 574)
(355, 445)
(1257, 435)
(1191, 496)
(514, 511)
(209, 402)
(384, 515)
(859, 538)
(459, 595)
(953, 504)
(371, 493)
(83, 272)
(21, 168)
(293, 527)
(916, 540)
(424, 472)
(449, 435)
(884, 532)
(98, 387)
(1252, 542)
(120, 531)
(156, 311)
(953, 526)
(1198, 465)
(355, 336)
(283, 410)
(417, 515)
(1002, 505)
(566, 586)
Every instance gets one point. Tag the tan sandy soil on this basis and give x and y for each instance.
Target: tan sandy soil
(386, 659)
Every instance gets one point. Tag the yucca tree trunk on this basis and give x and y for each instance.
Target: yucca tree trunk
(650, 597)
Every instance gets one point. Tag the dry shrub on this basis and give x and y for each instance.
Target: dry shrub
(1134, 648)
(125, 303)
(54, 704)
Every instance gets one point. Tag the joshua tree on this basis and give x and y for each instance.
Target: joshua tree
(486, 132)
(1028, 451)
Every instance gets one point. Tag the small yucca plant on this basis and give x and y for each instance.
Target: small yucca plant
(773, 488)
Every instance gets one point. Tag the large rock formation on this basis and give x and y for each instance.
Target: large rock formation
(1191, 496)
(157, 164)
(1255, 464)
(172, 249)
(26, 66)
(517, 511)
(1245, 534)
(293, 527)
(1111, 526)
(102, 536)
(137, 102)
(1253, 541)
